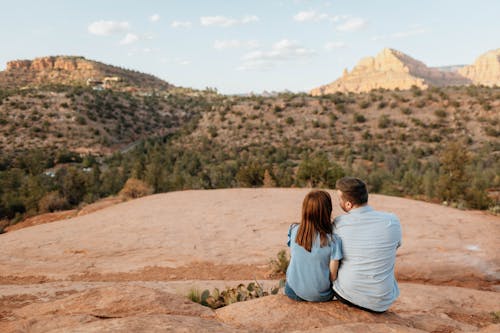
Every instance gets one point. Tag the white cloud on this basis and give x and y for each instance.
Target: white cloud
(249, 19)
(234, 44)
(154, 18)
(129, 39)
(283, 51)
(352, 24)
(334, 45)
(310, 15)
(222, 21)
(106, 28)
(181, 24)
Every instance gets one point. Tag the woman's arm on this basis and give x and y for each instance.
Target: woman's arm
(334, 266)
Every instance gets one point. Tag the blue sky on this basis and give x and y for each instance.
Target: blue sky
(248, 46)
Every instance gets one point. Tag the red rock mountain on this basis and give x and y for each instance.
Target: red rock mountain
(74, 70)
(392, 69)
(486, 69)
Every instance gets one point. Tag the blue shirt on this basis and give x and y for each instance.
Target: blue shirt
(308, 273)
(369, 242)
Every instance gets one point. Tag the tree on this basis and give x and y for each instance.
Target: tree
(319, 171)
(268, 179)
(72, 184)
(452, 175)
(250, 175)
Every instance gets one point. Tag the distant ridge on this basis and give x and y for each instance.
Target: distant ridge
(75, 70)
(390, 69)
(486, 69)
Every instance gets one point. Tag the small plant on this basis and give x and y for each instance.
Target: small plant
(280, 264)
(440, 113)
(217, 299)
(359, 118)
(495, 317)
(406, 111)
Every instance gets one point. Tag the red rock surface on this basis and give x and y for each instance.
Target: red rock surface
(142, 257)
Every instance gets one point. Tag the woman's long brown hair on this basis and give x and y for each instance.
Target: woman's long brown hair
(316, 218)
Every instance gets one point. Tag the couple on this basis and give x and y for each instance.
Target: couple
(360, 246)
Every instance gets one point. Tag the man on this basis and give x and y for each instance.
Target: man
(369, 242)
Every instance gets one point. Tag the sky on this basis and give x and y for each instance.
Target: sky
(248, 46)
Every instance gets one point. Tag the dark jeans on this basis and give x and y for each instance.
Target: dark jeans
(343, 300)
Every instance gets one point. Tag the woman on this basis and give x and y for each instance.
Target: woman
(315, 251)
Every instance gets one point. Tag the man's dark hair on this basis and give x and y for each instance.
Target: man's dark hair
(353, 190)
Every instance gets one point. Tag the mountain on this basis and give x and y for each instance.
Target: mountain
(486, 69)
(74, 70)
(69, 102)
(391, 69)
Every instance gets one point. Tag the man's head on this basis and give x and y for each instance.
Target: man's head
(352, 193)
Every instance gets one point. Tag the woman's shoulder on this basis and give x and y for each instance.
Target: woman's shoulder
(336, 238)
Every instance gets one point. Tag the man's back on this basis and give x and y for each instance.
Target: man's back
(369, 242)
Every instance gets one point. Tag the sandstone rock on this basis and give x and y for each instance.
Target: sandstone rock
(42, 64)
(486, 69)
(364, 328)
(390, 69)
(68, 64)
(117, 301)
(441, 245)
(133, 303)
(279, 313)
(72, 70)
(141, 323)
(151, 323)
(420, 307)
(18, 64)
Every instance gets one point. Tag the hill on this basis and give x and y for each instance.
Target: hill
(392, 69)
(130, 267)
(75, 70)
(75, 104)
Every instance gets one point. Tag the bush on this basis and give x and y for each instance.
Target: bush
(359, 118)
(280, 264)
(364, 104)
(384, 121)
(440, 113)
(51, 202)
(135, 188)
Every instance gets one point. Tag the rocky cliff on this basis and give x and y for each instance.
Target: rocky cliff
(73, 70)
(486, 69)
(390, 69)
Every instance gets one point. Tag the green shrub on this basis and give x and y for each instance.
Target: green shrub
(440, 113)
(280, 264)
(217, 299)
(384, 121)
(51, 202)
(359, 118)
